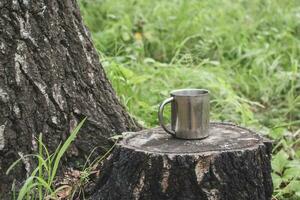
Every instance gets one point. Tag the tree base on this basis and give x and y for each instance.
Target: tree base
(232, 163)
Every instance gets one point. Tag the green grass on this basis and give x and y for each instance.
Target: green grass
(41, 183)
(44, 183)
(246, 53)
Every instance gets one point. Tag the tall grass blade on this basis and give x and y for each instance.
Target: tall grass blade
(26, 188)
(64, 148)
(40, 166)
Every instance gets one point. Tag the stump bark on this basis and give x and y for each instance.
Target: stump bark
(232, 163)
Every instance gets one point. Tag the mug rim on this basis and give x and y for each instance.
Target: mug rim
(189, 92)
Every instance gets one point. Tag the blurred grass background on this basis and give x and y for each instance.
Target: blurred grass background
(246, 53)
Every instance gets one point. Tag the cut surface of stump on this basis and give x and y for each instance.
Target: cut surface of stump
(232, 163)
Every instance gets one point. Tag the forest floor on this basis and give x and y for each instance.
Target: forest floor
(246, 53)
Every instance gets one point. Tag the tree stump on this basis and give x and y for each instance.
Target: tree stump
(232, 163)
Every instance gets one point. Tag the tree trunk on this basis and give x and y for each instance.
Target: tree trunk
(50, 78)
(233, 163)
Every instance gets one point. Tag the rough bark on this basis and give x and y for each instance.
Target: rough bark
(233, 163)
(50, 78)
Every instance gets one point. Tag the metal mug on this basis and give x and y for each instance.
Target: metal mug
(189, 113)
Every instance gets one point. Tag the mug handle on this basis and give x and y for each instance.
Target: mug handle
(161, 115)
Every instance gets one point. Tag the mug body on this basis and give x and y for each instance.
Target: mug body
(190, 113)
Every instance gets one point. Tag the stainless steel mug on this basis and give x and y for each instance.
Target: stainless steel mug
(189, 113)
